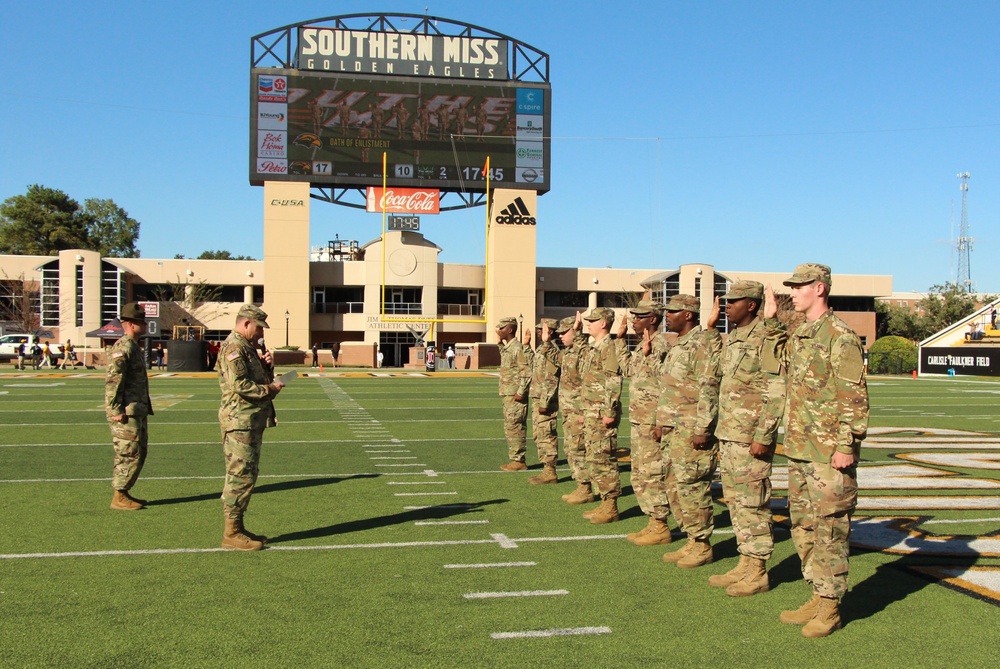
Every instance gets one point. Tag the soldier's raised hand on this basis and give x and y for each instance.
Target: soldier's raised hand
(770, 302)
(713, 315)
(526, 337)
(623, 326)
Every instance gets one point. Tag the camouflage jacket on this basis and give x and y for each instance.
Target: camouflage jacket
(752, 390)
(515, 371)
(601, 375)
(244, 379)
(645, 372)
(826, 407)
(545, 375)
(126, 386)
(570, 375)
(689, 388)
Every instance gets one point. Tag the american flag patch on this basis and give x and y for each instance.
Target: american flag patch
(232, 356)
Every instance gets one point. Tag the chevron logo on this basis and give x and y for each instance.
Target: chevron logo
(516, 213)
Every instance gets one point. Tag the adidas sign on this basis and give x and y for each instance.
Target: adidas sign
(516, 214)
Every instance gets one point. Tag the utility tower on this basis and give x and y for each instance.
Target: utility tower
(963, 245)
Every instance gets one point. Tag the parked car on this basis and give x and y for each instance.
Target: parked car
(10, 342)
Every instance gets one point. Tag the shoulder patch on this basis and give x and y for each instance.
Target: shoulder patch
(852, 364)
(117, 354)
(232, 356)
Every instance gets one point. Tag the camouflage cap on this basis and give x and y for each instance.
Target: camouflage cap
(505, 321)
(646, 307)
(551, 323)
(739, 290)
(600, 313)
(133, 311)
(566, 324)
(809, 272)
(256, 314)
(683, 303)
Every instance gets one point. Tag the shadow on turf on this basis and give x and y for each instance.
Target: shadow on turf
(294, 484)
(430, 513)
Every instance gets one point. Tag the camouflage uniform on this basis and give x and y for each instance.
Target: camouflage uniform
(688, 406)
(649, 475)
(515, 377)
(126, 391)
(751, 399)
(544, 390)
(602, 392)
(246, 410)
(571, 407)
(826, 411)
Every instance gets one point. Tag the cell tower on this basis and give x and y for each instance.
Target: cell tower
(963, 245)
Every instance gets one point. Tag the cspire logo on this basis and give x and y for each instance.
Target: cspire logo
(516, 214)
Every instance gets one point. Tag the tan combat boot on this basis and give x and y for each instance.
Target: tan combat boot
(234, 539)
(753, 580)
(582, 495)
(548, 475)
(803, 614)
(678, 554)
(632, 536)
(256, 537)
(121, 501)
(826, 621)
(731, 576)
(700, 554)
(607, 512)
(658, 534)
(514, 466)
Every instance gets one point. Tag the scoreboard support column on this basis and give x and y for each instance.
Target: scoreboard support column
(510, 257)
(286, 262)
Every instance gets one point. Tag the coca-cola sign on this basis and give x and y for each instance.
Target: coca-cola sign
(404, 200)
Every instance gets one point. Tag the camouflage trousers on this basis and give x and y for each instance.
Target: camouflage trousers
(130, 441)
(689, 481)
(821, 501)
(575, 445)
(242, 451)
(546, 436)
(602, 463)
(746, 485)
(649, 474)
(515, 419)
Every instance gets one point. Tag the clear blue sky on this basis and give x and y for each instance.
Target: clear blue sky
(749, 135)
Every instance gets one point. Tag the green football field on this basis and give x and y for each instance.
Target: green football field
(397, 541)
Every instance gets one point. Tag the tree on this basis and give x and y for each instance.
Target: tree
(221, 255)
(19, 304)
(897, 321)
(42, 222)
(943, 306)
(892, 355)
(112, 231)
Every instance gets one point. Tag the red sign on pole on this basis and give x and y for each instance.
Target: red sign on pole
(403, 200)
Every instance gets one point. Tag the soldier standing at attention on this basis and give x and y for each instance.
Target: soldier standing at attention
(515, 377)
(126, 404)
(644, 369)
(751, 399)
(248, 388)
(826, 419)
(571, 406)
(544, 392)
(602, 392)
(685, 418)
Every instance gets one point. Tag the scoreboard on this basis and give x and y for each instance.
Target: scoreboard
(332, 129)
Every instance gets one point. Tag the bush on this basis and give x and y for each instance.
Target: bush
(892, 355)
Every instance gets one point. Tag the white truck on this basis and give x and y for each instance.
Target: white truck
(10, 342)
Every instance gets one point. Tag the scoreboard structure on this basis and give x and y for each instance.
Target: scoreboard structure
(329, 97)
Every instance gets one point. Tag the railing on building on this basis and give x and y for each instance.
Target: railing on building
(460, 310)
(338, 307)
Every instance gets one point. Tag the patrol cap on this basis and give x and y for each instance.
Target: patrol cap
(809, 272)
(600, 313)
(550, 323)
(566, 324)
(505, 321)
(684, 303)
(256, 314)
(133, 312)
(753, 290)
(646, 307)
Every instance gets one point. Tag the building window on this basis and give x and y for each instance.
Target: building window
(403, 301)
(112, 292)
(50, 295)
(79, 296)
(569, 298)
(338, 299)
(460, 302)
(620, 300)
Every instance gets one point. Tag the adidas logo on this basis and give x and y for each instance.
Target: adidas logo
(516, 214)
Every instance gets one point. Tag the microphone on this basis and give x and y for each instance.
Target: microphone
(260, 342)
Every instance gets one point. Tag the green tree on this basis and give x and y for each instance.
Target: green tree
(112, 231)
(221, 255)
(892, 355)
(943, 306)
(42, 222)
(894, 320)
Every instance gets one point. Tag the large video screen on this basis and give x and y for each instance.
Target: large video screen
(330, 129)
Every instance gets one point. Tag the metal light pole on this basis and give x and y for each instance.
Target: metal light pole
(287, 316)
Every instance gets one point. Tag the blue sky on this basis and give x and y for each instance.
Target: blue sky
(749, 135)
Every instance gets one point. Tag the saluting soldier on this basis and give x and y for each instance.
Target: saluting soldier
(246, 378)
(126, 405)
(515, 378)
(544, 392)
(575, 347)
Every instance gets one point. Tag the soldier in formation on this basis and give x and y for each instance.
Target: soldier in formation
(515, 377)
(544, 393)
(571, 405)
